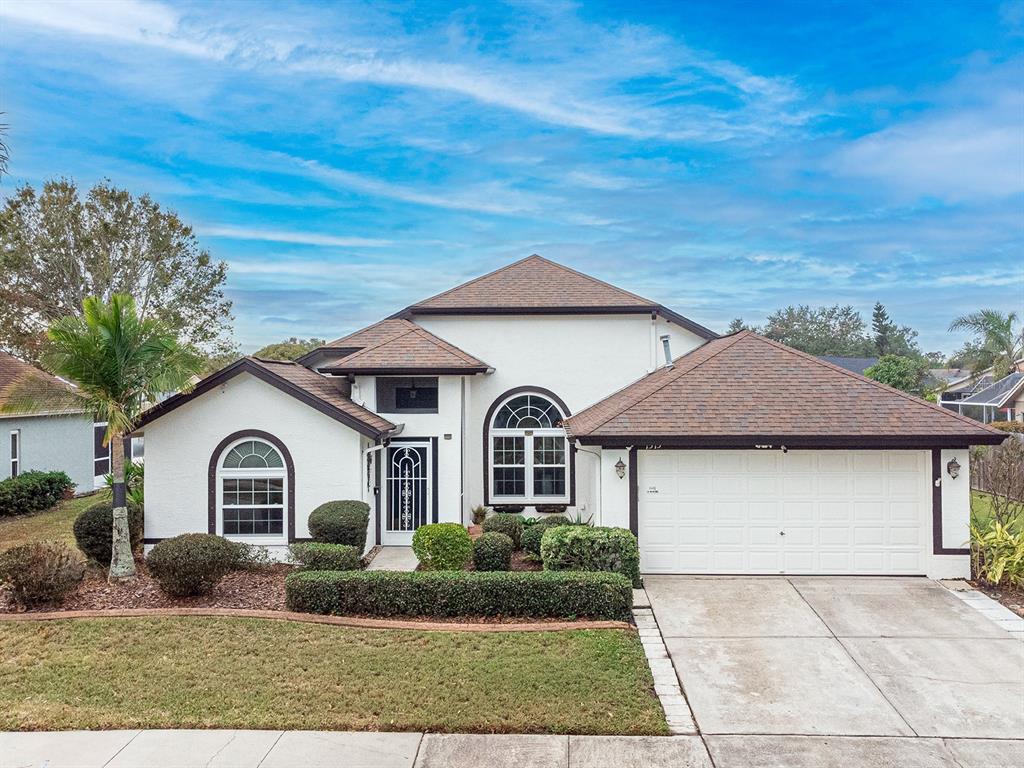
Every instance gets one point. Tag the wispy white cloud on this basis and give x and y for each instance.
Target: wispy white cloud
(283, 236)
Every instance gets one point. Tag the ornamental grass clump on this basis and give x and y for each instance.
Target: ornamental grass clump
(509, 524)
(442, 547)
(341, 522)
(191, 564)
(492, 552)
(319, 556)
(40, 573)
(585, 548)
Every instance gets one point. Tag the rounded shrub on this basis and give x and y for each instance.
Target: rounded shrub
(533, 534)
(191, 564)
(94, 530)
(585, 548)
(341, 522)
(41, 572)
(492, 552)
(510, 525)
(320, 556)
(442, 546)
(33, 491)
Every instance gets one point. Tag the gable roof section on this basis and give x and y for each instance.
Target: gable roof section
(745, 390)
(999, 394)
(313, 389)
(536, 285)
(16, 374)
(398, 346)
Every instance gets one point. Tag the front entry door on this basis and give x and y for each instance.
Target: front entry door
(409, 490)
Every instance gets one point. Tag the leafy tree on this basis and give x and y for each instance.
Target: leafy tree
(288, 350)
(738, 325)
(120, 363)
(57, 248)
(835, 330)
(889, 338)
(904, 373)
(998, 341)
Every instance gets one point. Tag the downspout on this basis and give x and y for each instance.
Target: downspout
(600, 479)
(652, 362)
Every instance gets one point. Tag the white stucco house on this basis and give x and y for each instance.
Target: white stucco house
(537, 386)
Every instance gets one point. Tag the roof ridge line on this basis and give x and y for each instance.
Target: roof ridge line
(670, 378)
(878, 384)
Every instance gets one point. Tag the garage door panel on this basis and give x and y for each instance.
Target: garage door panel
(863, 512)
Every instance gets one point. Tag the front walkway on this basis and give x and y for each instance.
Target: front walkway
(394, 559)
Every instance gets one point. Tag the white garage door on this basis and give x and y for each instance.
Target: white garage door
(840, 512)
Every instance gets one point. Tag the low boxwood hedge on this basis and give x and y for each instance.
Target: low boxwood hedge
(509, 524)
(340, 522)
(442, 546)
(32, 492)
(492, 552)
(524, 594)
(532, 534)
(583, 548)
(320, 556)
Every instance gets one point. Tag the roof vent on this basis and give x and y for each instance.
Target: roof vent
(666, 347)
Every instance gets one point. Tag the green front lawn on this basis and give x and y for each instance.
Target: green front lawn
(981, 506)
(249, 673)
(55, 524)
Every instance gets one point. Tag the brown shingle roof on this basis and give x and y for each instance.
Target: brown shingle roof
(538, 285)
(737, 389)
(314, 389)
(18, 375)
(399, 345)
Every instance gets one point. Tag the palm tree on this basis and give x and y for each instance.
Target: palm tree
(120, 363)
(1002, 343)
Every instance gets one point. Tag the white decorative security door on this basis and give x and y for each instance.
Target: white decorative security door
(409, 491)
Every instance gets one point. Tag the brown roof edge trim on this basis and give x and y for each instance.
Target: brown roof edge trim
(776, 442)
(406, 371)
(325, 350)
(247, 366)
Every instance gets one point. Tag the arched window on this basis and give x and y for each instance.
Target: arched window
(529, 451)
(252, 480)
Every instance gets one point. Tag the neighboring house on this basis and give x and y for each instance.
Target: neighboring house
(537, 386)
(986, 399)
(855, 364)
(57, 440)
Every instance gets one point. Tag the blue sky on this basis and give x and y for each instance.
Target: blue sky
(724, 158)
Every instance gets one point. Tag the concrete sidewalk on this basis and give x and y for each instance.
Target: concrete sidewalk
(323, 749)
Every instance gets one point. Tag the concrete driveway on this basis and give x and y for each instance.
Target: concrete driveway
(874, 671)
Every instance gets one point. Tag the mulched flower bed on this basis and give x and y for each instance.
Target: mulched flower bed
(258, 589)
(1010, 596)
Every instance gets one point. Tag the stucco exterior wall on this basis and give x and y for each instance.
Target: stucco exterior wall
(580, 358)
(956, 516)
(327, 455)
(51, 443)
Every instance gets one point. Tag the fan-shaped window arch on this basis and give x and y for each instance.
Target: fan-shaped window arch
(253, 454)
(529, 453)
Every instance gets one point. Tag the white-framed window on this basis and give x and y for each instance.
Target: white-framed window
(15, 452)
(252, 486)
(529, 451)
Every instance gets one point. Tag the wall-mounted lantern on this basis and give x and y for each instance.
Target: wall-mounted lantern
(953, 468)
(620, 469)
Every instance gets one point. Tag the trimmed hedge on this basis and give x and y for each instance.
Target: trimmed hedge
(32, 492)
(340, 522)
(41, 572)
(583, 548)
(525, 594)
(94, 530)
(320, 556)
(442, 546)
(509, 524)
(492, 552)
(532, 534)
(192, 564)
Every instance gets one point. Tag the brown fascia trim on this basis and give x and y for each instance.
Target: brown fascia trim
(407, 371)
(627, 309)
(739, 442)
(936, 481)
(247, 366)
(211, 476)
(313, 353)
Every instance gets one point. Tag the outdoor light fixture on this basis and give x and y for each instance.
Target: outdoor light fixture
(620, 469)
(953, 467)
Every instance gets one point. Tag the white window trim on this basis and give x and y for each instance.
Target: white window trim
(247, 473)
(15, 457)
(528, 436)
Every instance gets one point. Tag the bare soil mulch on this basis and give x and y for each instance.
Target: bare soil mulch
(261, 589)
(1010, 596)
